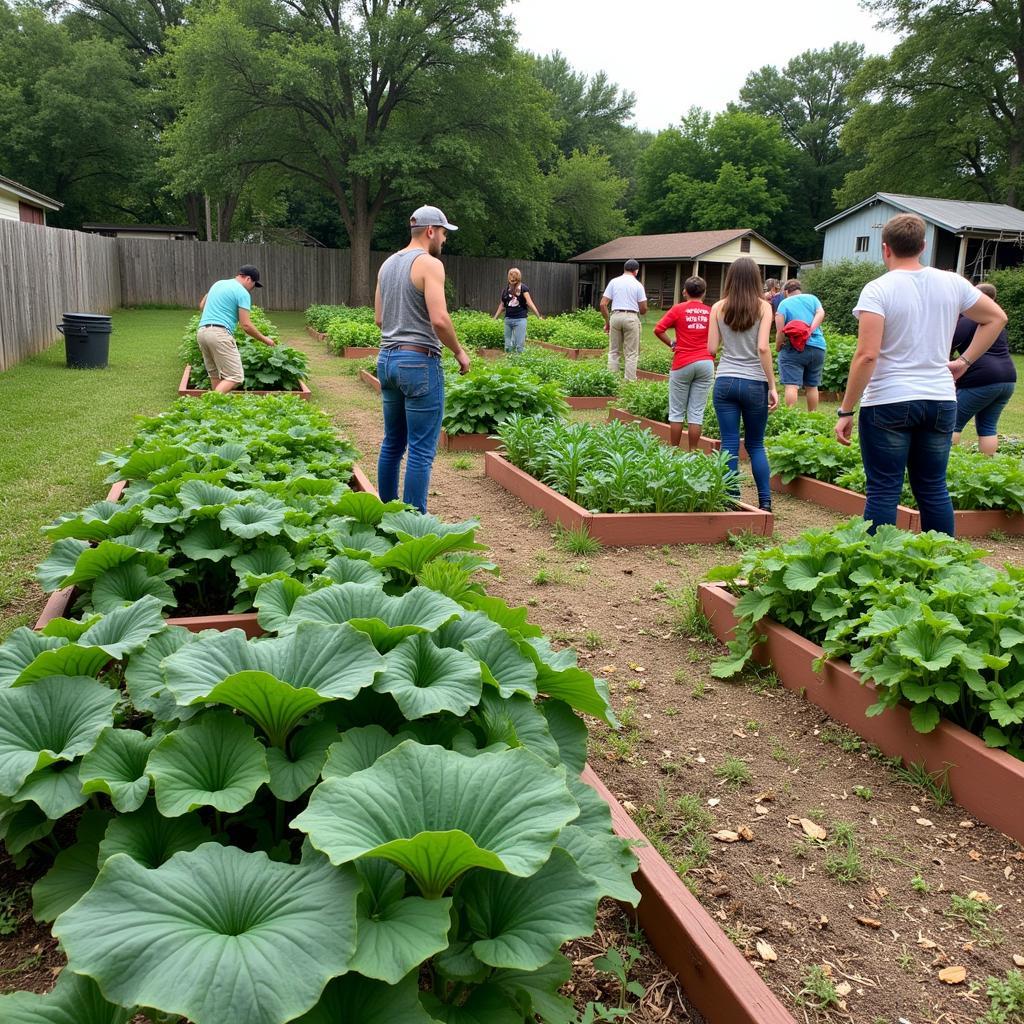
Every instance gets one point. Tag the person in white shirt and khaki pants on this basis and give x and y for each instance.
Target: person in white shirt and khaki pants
(623, 303)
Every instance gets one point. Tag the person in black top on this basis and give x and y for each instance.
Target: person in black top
(517, 302)
(984, 390)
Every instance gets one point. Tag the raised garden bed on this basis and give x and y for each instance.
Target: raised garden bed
(626, 529)
(468, 442)
(368, 378)
(649, 375)
(184, 390)
(977, 523)
(572, 353)
(981, 779)
(588, 401)
(718, 980)
(58, 605)
(662, 431)
(315, 334)
(355, 352)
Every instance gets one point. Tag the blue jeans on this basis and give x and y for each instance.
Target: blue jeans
(515, 334)
(735, 398)
(983, 405)
(412, 390)
(912, 438)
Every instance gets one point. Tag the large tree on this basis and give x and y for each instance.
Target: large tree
(374, 101)
(944, 114)
(72, 121)
(809, 100)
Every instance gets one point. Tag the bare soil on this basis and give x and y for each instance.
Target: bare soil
(898, 889)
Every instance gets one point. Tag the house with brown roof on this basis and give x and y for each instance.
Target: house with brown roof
(666, 261)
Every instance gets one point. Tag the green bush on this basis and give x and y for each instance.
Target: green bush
(578, 378)
(838, 355)
(647, 398)
(478, 330)
(478, 402)
(657, 360)
(345, 333)
(570, 333)
(1009, 285)
(838, 286)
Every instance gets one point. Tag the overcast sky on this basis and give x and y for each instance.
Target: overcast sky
(672, 60)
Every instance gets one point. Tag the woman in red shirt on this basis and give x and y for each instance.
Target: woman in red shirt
(693, 370)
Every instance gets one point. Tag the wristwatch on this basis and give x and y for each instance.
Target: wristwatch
(842, 415)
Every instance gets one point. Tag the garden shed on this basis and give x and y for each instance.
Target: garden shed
(18, 202)
(969, 237)
(666, 261)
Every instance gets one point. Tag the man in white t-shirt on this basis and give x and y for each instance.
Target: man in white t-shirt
(902, 369)
(623, 303)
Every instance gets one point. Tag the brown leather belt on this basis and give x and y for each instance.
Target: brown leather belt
(422, 349)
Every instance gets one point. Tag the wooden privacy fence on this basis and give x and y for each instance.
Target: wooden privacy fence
(294, 277)
(44, 273)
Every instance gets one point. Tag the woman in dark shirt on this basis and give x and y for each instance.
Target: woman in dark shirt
(516, 301)
(983, 391)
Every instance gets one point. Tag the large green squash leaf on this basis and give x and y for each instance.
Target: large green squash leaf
(150, 838)
(297, 768)
(20, 649)
(342, 569)
(538, 991)
(117, 766)
(206, 541)
(56, 790)
(357, 749)
(262, 518)
(74, 1000)
(436, 814)
(217, 762)
(605, 859)
(147, 686)
(363, 1001)
(60, 563)
(385, 619)
(216, 935)
(396, 932)
(487, 1004)
(425, 679)
(127, 583)
(100, 521)
(521, 922)
(73, 871)
(54, 719)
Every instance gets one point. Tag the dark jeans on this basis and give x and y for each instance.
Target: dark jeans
(735, 398)
(412, 391)
(912, 438)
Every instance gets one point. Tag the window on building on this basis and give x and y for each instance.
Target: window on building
(862, 243)
(744, 245)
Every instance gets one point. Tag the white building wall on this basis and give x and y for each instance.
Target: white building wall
(8, 206)
(841, 237)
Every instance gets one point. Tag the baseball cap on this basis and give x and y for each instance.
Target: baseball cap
(632, 265)
(430, 216)
(250, 271)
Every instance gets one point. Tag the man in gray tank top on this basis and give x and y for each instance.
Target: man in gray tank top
(412, 315)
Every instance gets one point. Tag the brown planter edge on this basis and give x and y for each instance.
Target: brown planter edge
(980, 778)
(650, 375)
(184, 391)
(981, 522)
(717, 979)
(589, 401)
(356, 352)
(368, 378)
(637, 529)
(468, 442)
(315, 334)
(573, 353)
(59, 602)
(711, 445)
(839, 499)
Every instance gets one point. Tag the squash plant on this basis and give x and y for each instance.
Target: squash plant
(351, 333)
(201, 526)
(478, 402)
(319, 317)
(576, 378)
(279, 368)
(616, 467)
(478, 330)
(918, 614)
(376, 812)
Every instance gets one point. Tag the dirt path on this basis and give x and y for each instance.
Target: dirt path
(868, 916)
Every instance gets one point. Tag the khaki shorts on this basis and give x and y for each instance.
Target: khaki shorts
(220, 353)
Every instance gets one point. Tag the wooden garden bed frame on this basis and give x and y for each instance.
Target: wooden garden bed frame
(184, 390)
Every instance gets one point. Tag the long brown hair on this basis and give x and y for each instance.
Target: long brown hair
(742, 295)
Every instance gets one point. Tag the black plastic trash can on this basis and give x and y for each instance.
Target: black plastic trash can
(86, 340)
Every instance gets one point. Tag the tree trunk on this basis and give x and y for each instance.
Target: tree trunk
(225, 215)
(361, 232)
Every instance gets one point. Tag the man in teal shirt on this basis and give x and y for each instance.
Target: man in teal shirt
(800, 367)
(224, 307)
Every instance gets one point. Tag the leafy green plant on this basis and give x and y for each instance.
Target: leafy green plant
(277, 368)
(655, 360)
(586, 377)
(838, 355)
(319, 317)
(619, 964)
(818, 990)
(481, 400)
(478, 330)
(1006, 999)
(576, 541)
(573, 333)
(917, 614)
(343, 333)
(647, 398)
(615, 467)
